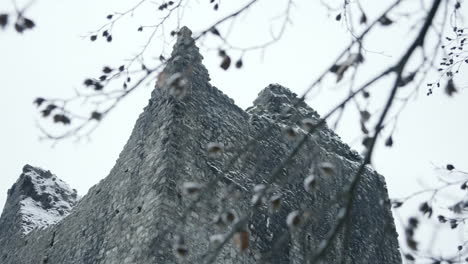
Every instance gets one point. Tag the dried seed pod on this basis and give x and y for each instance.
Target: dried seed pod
(215, 149)
(256, 200)
(216, 240)
(242, 240)
(229, 216)
(310, 182)
(191, 188)
(180, 249)
(293, 220)
(412, 243)
(397, 204)
(275, 202)
(259, 188)
(327, 168)
(162, 79)
(178, 91)
(306, 215)
(291, 133)
(177, 85)
(226, 62)
(174, 78)
(308, 124)
(341, 213)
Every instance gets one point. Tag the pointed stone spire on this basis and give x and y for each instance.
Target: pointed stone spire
(184, 67)
(186, 50)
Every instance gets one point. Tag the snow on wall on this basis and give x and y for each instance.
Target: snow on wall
(49, 201)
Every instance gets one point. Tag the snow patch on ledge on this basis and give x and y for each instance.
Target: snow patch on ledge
(36, 217)
(46, 199)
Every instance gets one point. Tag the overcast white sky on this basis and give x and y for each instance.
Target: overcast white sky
(53, 59)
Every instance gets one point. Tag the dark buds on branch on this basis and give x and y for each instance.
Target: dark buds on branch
(90, 82)
(28, 23)
(365, 116)
(226, 60)
(409, 257)
(215, 31)
(3, 20)
(464, 186)
(338, 17)
(363, 19)
(385, 21)
(38, 101)
(61, 118)
(389, 141)
(47, 111)
(365, 94)
(107, 69)
(453, 223)
(165, 5)
(23, 23)
(450, 167)
(96, 116)
(49, 108)
(239, 64)
(410, 229)
(425, 208)
(441, 219)
(450, 88)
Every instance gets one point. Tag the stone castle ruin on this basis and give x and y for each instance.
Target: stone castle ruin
(202, 181)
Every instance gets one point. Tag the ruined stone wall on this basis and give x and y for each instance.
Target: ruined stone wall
(133, 214)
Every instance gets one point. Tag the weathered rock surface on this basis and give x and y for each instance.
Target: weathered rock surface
(133, 214)
(37, 200)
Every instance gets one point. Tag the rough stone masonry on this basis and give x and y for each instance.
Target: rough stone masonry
(150, 209)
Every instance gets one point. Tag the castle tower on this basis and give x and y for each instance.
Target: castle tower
(189, 177)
